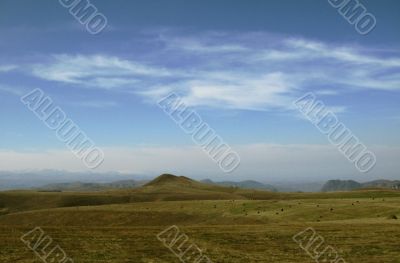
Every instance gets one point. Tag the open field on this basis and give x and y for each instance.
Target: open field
(121, 226)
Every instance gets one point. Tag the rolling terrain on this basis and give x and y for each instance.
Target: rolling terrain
(228, 223)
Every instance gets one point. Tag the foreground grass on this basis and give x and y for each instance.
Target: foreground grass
(367, 242)
(358, 225)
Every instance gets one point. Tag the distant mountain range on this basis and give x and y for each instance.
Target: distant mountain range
(248, 184)
(89, 187)
(125, 184)
(330, 186)
(348, 185)
(86, 182)
(34, 179)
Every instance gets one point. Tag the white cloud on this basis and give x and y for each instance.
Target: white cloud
(12, 90)
(228, 90)
(326, 92)
(7, 68)
(313, 49)
(96, 71)
(253, 71)
(94, 104)
(194, 45)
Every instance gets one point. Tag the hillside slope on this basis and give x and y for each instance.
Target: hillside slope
(163, 188)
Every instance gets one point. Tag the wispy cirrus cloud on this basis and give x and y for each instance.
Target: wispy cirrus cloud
(17, 91)
(230, 90)
(7, 68)
(319, 50)
(100, 71)
(96, 104)
(254, 71)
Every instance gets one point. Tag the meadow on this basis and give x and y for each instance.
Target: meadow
(228, 224)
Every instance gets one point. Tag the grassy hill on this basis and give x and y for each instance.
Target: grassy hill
(163, 188)
(229, 224)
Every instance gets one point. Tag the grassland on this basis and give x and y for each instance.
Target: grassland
(229, 224)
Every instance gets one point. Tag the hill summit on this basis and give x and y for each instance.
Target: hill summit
(166, 179)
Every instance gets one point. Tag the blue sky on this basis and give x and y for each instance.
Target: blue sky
(240, 64)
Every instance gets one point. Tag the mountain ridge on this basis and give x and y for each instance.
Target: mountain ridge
(348, 185)
(78, 186)
(246, 184)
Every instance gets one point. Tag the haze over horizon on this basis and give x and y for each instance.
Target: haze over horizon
(240, 73)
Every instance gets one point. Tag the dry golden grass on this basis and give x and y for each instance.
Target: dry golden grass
(121, 226)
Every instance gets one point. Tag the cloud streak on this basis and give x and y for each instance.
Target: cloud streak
(7, 68)
(253, 71)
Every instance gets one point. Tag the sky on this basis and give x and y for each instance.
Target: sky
(239, 64)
